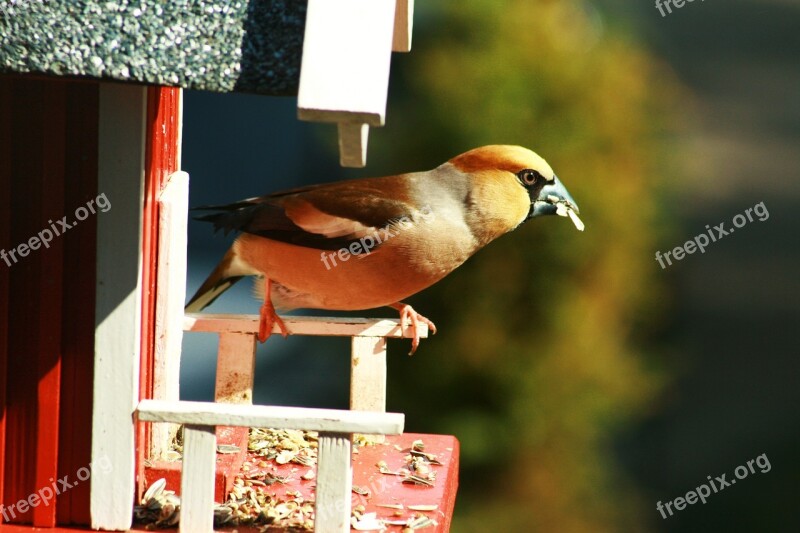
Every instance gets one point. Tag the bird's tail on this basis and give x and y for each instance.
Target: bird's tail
(219, 281)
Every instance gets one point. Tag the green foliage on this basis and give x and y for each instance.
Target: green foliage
(539, 361)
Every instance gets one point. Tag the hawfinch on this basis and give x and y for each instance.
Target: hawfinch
(373, 242)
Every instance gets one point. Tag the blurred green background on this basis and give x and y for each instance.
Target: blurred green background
(584, 382)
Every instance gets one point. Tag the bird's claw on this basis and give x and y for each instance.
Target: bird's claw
(267, 320)
(409, 316)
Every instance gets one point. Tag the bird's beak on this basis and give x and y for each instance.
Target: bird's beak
(554, 199)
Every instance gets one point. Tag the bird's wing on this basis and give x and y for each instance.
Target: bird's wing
(325, 217)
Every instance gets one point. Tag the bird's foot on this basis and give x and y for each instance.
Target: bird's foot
(409, 315)
(268, 319)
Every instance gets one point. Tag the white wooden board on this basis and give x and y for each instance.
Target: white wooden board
(173, 214)
(197, 479)
(325, 326)
(220, 414)
(121, 155)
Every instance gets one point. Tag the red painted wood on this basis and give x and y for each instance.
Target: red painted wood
(16, 528)
(163, 104)
(48, 297)
(25, 347)
(77, 335)
(390, 490)
(384, 489)
(48, 168)
(228, 465)
(5, 243)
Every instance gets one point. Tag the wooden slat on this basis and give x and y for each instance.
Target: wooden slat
(162, 158)
(5, 269)
(19, 412)
(403, 24)
(236, 367)
(324, 326)
(219, 414)
(368, 374)
(334, 483)
(171, 286)
(75, 433)
(197, 479)
(29, 345)
(48, 295)
(353, 138)
(118, 304)
(344, 74)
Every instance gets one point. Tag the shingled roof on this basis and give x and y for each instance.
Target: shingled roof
(245, 46)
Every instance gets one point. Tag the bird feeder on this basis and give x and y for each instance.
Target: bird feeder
(93, 209)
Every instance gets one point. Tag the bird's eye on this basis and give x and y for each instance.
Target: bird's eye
(529, 176)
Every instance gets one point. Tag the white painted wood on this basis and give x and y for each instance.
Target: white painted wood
(197, 479)
(344, 75)
(368, 374)
(236, 367)
(353, 138)
(220, 414)
(171, 293)
(302, 325)
(121, 155)
(403, 25)
(334, 483)
(179, 150)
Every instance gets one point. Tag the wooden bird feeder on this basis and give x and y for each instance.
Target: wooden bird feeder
(93, 212)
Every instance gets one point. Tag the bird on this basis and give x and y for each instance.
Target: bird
(372, 242)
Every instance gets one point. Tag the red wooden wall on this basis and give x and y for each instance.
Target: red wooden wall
(48, 169)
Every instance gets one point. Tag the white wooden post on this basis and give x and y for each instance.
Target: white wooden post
(368, 374)
(236, 366)
(334, 483)
(403, 24)
(353, 139)
(197, 479)
(171, 286)
(118, 302)
(344, 75)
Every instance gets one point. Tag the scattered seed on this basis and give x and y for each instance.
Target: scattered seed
(227, 449)
(398, 506)
(423, 507)
(363, 491)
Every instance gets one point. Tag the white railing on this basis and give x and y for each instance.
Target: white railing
(237, 343)
(334, 470)
(234, 392)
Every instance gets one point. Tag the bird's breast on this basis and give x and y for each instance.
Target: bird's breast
(383, 268)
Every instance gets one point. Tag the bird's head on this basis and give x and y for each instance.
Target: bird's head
(519, 180)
